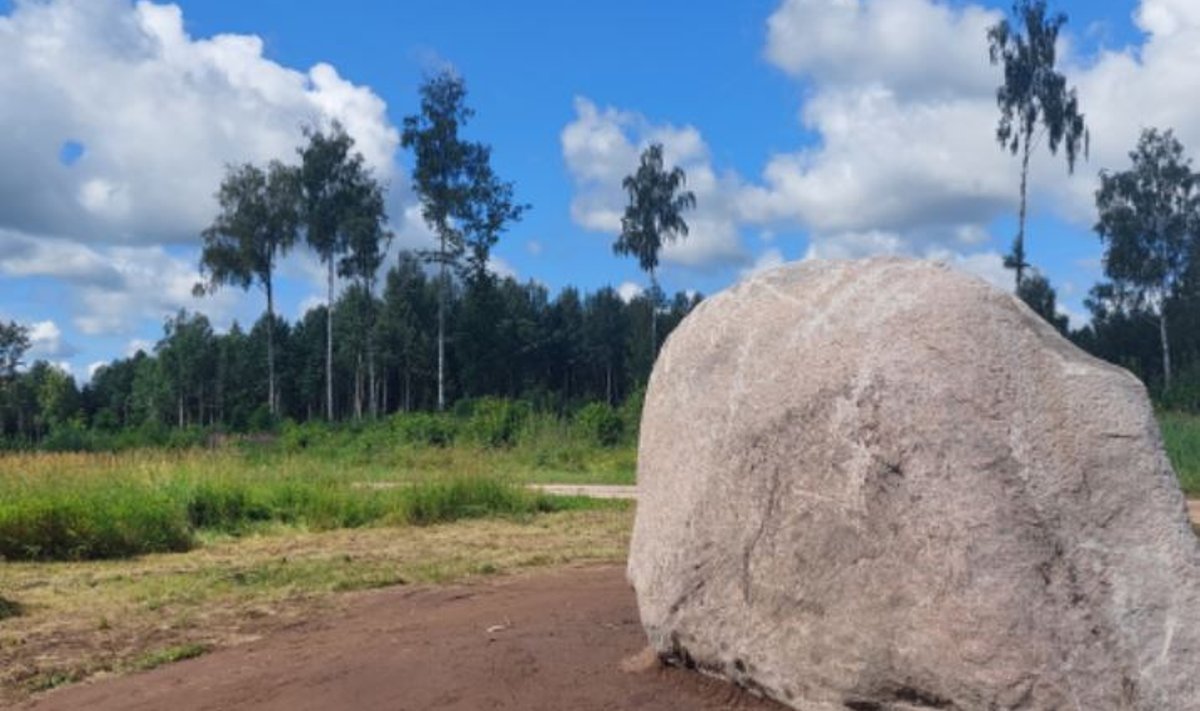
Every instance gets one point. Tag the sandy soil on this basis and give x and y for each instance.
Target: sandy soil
(549, 640)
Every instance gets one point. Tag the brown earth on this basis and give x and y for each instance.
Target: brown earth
(564, 639)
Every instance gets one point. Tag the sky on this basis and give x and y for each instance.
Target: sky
(806, 128)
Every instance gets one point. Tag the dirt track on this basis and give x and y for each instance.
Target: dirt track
(550, 640)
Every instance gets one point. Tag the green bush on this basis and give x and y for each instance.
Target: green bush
(424, 428)
(495, 422)
(9, 608)
(225, 507)
(471, 497)
(69, 437)
(599, 424)
(631, 410)
(114, 522)
(295, 436)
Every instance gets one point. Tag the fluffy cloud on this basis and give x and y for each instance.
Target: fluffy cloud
(112, 287)
(602, 146)
(157, 115)
(915, 47)
(116, 131)
(628, 291)
(769, 259)
(46, 341)
(903, 99)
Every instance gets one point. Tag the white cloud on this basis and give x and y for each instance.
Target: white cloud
(159, 114)
(501, 268)
(110, 288)
(534, 247)
(902, 97)
(628, 291)
(769, 259)
(93, 367)
(46, 341)
(602, 146)
(988, 266)
(156, 115)
(308, 304)
(913, 46)
(139, 344)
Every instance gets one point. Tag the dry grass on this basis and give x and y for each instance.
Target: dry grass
(109, 617)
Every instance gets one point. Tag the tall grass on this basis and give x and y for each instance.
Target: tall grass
(77, 507)
(1181, 437)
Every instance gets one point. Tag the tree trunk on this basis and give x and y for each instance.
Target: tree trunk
(653, 319)
(441, 384)
(1019, 245)
(1166, 344)
(329, 346)
(372, 382)
(272, 400)
(358, 386)
(608, 384)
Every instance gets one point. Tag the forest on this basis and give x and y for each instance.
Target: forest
(437, 329)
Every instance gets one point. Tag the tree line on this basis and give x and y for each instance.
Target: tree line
(441, 327)
(510, 340)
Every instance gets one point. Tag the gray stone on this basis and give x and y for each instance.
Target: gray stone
(885, 485)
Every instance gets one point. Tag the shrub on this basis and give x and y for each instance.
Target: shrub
(423, 428)
(599, 424)
(69, 437)
(631, 410)
(9, 608)
(440, 501)
(495, 422)
(297, 436)
(115, 522)
(225, 506)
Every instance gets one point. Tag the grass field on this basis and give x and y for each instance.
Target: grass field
(120, 562)
(1181, 437)
(81, 506)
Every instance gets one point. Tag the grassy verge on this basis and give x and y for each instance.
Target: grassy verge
(113, 616)
(86, 507)
(1181, 437)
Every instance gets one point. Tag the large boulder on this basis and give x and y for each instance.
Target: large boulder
(886, 485)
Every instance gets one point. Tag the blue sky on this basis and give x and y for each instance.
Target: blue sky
(809, 128)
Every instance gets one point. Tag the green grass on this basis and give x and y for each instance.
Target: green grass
(78, 506)
(1181, 437)
(9, 608)
(168, 655)
(124, 514)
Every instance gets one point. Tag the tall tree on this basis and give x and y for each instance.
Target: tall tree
(14, 341)
(257, 225)
(331, 180)
(1034, 94)
(1036, 292)
(1149, 218)
(653, 216)
(367, 241)
(461, 197)
(187, 354)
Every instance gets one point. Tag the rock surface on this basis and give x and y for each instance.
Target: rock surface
(884, 485)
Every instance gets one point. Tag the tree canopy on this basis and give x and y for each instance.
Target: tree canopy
(1149, 216)
(1033, 94)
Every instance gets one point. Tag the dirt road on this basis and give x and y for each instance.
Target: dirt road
(550, 640)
